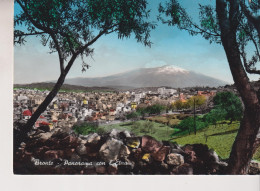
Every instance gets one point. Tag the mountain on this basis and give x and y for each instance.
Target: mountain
(168, 75)
(65, 87)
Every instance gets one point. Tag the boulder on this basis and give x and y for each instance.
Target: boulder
(112, 169)
(175, 159)
(126, 133)
(254, 168)
(161, 153)
(110, 149)
(45, 136)
(184, 169)
(150, 145)
(93, 138)
(75, 158)
(124, 152)
(114, 134)
(53, 154)
(81, 149)
(137, 154)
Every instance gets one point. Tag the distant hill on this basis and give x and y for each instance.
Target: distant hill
(65, 87)
(168, 75)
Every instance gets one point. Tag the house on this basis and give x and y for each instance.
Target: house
(206, 93)
(133, 105)
(27, 114)
(41, 121)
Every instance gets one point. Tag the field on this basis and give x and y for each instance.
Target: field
(159, 131)
(218, 138)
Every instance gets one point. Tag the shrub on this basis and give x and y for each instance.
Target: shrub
(133, 115)
(85, 128)
(231, 103)
(187, 125)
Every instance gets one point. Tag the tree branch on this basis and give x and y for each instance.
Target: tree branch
(46, 30)
(254, 20)
(29, 34)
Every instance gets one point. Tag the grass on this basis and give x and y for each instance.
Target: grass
(159, 131)
(220, 139)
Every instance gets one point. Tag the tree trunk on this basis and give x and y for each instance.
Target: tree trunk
(242, 149)
(28, 126)
(194, 113)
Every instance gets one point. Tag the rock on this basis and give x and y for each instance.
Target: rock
(133, 142)
(23, 144)
(124, 152)
(110, 150)
(254, 168)
(112, 169)
(53, 154)
(175, 159)
(44, 128)
(89, 170)
(82, 141)
(127, 133)
(184, 169)
(93, 138)
(161, 153)
(75, 158)
(81, 149)
(45, 136)
(137, 154)
(114, 133)
(127, 167)
(101, 169)
(92, 151)
(69, 140)
(68, 152)
(150, 145)
(190, 154)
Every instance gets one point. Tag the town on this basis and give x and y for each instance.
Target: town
(68, 108)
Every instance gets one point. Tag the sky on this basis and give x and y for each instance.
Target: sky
(33, 63)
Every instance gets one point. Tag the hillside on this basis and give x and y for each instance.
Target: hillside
(65, 87)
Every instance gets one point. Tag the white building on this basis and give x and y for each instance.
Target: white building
(164, 91)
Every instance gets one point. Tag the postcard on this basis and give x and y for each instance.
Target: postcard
(136, 87)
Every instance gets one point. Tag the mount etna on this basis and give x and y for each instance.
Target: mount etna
(169, 75)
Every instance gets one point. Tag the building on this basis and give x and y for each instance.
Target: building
(166, 91)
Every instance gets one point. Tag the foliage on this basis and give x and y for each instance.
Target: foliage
(71, 26)
(85, 128)
(133, 115)
(215, 115)
(187, 125)
(197, 101)
(155, 109)
(178, 105)
(177, 16)
(229, 102)
(244, 22)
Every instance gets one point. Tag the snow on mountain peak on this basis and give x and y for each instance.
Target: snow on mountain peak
(168, 69)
